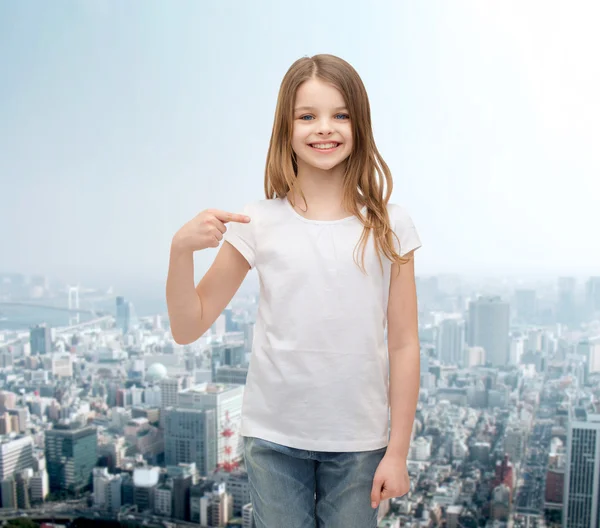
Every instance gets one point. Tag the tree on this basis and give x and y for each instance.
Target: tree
(22, 523)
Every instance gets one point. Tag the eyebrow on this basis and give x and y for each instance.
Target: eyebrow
(313, 108)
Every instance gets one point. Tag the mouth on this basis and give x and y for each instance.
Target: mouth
(324, 147)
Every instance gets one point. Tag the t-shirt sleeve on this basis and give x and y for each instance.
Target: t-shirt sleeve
(242, 236)
(405, 230)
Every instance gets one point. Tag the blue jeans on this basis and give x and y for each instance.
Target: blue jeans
(294, 488)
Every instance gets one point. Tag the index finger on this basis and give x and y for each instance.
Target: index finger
(225, 217)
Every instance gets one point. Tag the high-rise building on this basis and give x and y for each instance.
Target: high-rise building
(126, 318)
(8, 489)
(451, 341)
(555, 482)
(525, 305)
(234, 354)
(127, 489)
(101, 478)
(216, 506)
(592, 296)
(60, 365)
(183, 477)
(40, 340)
(231, 375)
(504, 474)
(230, 324)
(226, 402)
(8, 400)
(500, 504)
(582, 475)
(517, 349)
(566, 308)
(19, 419)
(181, 496)
(163, 500)
(39, 486)
(248, 516)
(16, 454)
(489, 320)
(169, 391)
(588, 352)
(71, 455)
(239, 488)
(114, 494)
(145, 481)
(22, 479)
(514, 441)
(5, 423)
(428, 290)
(191, 437)
(196, 493)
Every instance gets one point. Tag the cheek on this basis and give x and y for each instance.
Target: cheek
(349, 141)
(297, 138)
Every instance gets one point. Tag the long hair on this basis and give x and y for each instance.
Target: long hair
(367, 180)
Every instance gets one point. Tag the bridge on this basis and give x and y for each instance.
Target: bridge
(53, 307)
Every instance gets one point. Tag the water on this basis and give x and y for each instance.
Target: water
(25, 317)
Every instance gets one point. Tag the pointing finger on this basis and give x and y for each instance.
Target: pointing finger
(231, 217)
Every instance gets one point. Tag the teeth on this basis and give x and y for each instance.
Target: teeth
(325, 145)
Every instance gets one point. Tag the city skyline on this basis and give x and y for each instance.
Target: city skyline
(112, 116)
(507, 374)
(119, 123)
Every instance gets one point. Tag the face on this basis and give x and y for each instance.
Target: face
(322, 136)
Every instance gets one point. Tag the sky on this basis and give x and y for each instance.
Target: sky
(120, 121)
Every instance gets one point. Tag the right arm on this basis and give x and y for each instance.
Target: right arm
(192, 311)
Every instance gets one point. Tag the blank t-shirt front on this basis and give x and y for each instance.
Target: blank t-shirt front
(318, 373)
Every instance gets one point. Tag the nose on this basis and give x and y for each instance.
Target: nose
(325, 128)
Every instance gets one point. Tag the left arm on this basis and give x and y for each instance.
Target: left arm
(404, 355)
(391, 478)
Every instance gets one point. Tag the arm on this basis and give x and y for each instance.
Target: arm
(192, 311)
(404, 355)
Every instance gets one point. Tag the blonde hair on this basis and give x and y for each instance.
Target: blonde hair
(367, 181)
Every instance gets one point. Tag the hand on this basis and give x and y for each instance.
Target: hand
(205, 230)
(390, 480)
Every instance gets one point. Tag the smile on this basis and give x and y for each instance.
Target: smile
(325, 147)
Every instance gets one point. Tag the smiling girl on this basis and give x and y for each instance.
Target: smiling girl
(329, 405)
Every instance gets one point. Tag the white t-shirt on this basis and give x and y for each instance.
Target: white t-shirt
(318, 372)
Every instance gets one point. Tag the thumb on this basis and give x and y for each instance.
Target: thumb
(376, 492)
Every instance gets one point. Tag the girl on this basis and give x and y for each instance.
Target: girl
(335, 263)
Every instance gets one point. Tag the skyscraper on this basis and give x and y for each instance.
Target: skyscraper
(71, 455)
(582, 475)
(169, 391)
(40, 340)
(566, 309)
(525, 304)
(226, 402)
(489, 320)
(16, 454)
(592, 296)
(191, 436)
(126, 318)
(451, 341)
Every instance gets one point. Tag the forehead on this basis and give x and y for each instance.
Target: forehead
(318, 94)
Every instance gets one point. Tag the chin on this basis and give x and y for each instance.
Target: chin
(329, 166)
(324, 164)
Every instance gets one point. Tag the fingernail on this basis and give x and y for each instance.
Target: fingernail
(373, 505)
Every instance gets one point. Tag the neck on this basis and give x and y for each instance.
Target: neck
(323, 189)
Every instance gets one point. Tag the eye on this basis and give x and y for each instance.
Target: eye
(302, 117)
(345, 116)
